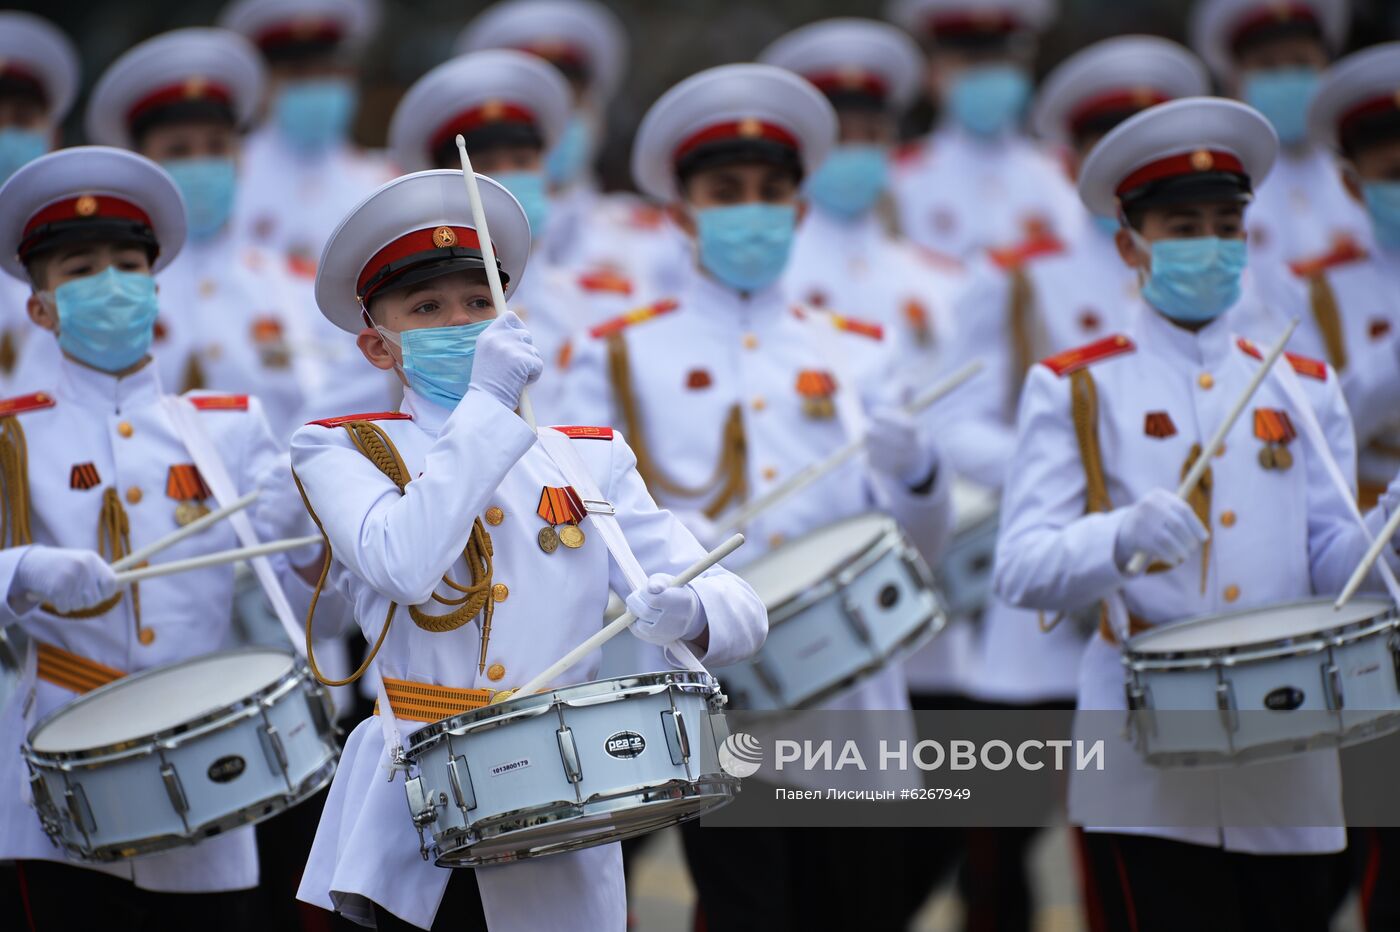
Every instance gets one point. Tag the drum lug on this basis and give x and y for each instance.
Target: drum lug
(459, 777)
(568, 753)
(421, 808)
(273, 748)
(1225, 702)
(174, 788)
(857, 619)
(1332, 687)
(78, 809)
(677, 740)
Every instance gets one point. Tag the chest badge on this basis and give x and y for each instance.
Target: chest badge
(83, 477)
(697, 379)
(1158, 424)
(817, 387)
(1273, 426)
(917, 318)
(562, 509)
(184, 484)
(271, 342)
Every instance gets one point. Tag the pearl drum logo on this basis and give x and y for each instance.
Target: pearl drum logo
(625, 745)
(227, 768)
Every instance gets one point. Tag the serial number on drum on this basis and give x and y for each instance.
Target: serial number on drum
(937, 793)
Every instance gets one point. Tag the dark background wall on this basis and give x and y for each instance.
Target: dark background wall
(670, 39)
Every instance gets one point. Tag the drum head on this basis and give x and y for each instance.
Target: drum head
(1255, 627)
(800, 565)
(158, 700)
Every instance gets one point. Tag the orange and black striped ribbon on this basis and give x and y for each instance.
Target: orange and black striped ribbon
(84, 476)
(561, 505)
(71, 671)
(815, 383)
(1272, 425)
(184, 483)
(426, 702)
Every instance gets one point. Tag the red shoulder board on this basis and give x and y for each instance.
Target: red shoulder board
(1344, 251)
(1071, 360)
(605, 281)
(23, 403)
(220, 402)
(1012, 257)
(1303, 365)
(865, 328)
(373, 416)
(909, 151)
(586, 433)
(620, 323)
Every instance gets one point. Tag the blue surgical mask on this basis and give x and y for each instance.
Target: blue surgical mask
(530, 190)
(18, 147)
(988, 99)
(1383, 204)
(107, 320)
(1194, 280)
(437, 361)
(1283, 95)
(746, 246)
(314, 114)
(1108, 226)
(851, 180)
(571, 152)
(207, 185)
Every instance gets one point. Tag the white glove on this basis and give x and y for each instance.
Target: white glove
(506, 360)
(281, 514)
(66, 579)
(1160, 525)
(896, 446)
(665, 613)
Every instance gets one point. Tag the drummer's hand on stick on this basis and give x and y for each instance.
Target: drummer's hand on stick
(1162, 526)
(666, 613)
(506, 360)
(896, 446)
(67, 579)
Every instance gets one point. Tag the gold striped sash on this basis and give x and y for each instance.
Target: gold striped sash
(72, 671)
(427, 702)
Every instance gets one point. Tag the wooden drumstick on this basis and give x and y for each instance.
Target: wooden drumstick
(214, 559)
(488, 256)
(805, 477)
(1372, 554)
(194, 527)
(1198, 469)
(623, 621)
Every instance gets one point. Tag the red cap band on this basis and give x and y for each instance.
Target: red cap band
(1374, 106)
(1187, 163)
(192, 88)
(965, 23)
(86, 207)
(848, 80)
(297, 31)
(424, 240)
(1114, 101)
(1270, 14)
(493, 111)
(735, 129)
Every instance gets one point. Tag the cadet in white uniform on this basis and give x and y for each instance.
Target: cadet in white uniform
(105, 462)
(727, 388)
(846, 257)
(230, 318)
(510, 108)
(302, 173)
(1092, 488)
(976, 182)
(1270, 55)
(404, 272)
(39, 74)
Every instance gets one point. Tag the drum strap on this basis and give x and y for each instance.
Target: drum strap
(427, 702)
(71, 671)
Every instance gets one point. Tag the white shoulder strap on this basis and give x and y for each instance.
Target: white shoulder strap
(602, 518)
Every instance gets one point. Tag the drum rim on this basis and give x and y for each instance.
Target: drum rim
(275, 690)
(892, 537)
(541, 702)
(1388, 615)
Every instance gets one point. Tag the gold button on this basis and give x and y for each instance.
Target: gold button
(494, 516)
(750, 341)
(133, 495)
(125, 429)
(769, 473)
(207, 288)
(759, 404)
(1232, 592)
(775, 541)
(1220, 450)
(500, 592)
(147, 637)
(1227, 519)
(41, 397)
(1206, 380)
(496, 672)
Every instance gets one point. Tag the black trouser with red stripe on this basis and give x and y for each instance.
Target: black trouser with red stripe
(1138, 883)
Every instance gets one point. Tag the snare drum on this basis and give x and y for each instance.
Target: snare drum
(965, 574)
(842, 603)
(1304, 675)
(169, 756)
(569, 768)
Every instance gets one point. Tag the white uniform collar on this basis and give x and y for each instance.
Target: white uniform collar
(428, 415)
(711, 296)
(1204, 348)
(102, 392)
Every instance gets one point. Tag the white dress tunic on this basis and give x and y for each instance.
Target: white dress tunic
(395, 547)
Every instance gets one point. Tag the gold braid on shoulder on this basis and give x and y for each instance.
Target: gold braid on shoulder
(729, 481)
(371, 440)
(113, 528)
